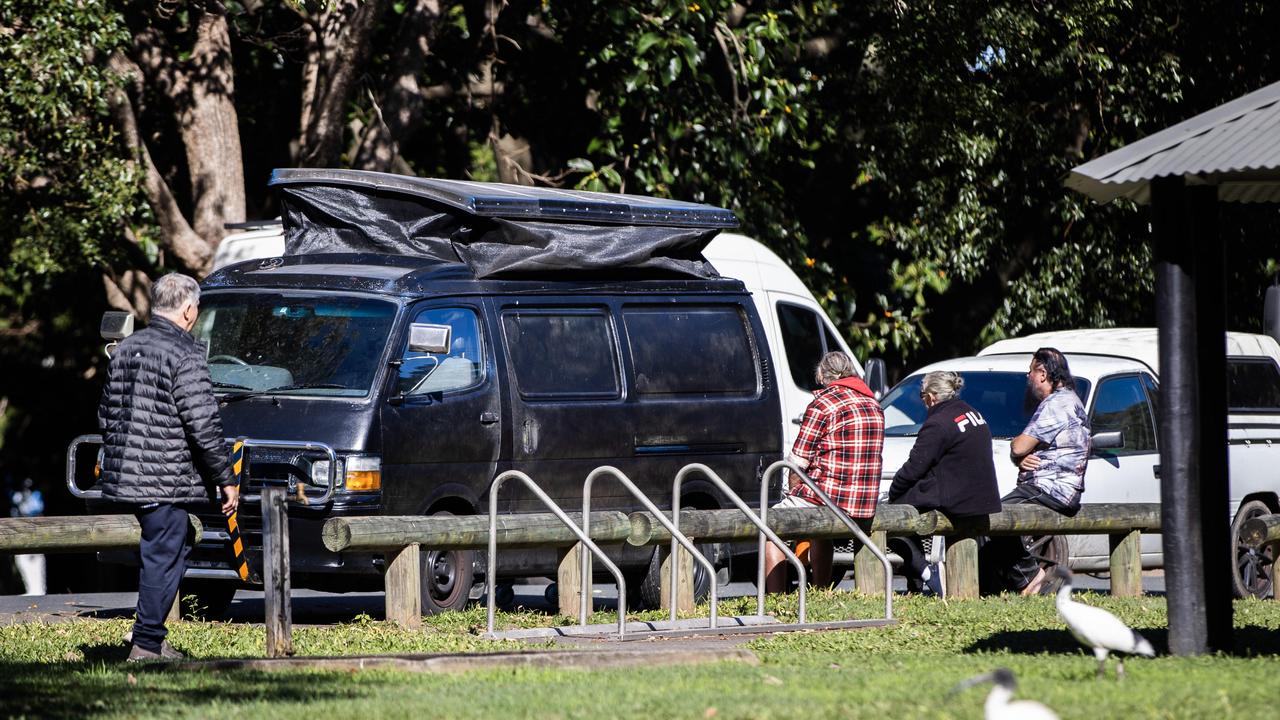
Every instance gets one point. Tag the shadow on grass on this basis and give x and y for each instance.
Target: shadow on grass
(104, 684)
(1248, 641)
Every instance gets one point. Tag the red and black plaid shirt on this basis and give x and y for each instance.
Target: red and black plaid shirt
(841, 437)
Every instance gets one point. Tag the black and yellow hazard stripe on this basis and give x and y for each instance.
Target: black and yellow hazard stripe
(233, 525)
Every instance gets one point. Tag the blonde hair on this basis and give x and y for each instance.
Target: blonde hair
(942, 384)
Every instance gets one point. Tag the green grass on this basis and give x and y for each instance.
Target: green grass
(74, 670)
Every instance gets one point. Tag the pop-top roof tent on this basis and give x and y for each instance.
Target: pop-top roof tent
(494, 228)
(1228, 154)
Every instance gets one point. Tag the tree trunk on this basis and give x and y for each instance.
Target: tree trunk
(211, 132)
(398, 112)
(337, 46)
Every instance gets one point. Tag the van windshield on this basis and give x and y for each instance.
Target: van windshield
(293, 344)
(1002, 397)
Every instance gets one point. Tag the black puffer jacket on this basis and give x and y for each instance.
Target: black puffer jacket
(160, 421)
(951, 467)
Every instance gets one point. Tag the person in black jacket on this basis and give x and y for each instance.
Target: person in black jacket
(163, 449)
(951, 468)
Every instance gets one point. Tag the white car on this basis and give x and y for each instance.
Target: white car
(1117, 377)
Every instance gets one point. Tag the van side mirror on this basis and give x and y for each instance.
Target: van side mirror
(877, 376)
(1108, 440)
(116, 325)
(427, 338)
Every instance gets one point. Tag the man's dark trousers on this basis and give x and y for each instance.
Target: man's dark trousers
(164, 553)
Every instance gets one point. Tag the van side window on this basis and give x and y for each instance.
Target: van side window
(690, 350)
(1121, 404)
(802, 339)
(1253, 384)
(461, 368)
(566, 353)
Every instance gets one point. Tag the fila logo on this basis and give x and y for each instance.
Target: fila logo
(970, 418)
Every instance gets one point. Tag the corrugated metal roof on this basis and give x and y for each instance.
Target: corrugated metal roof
(1235, 146)
(521, 201)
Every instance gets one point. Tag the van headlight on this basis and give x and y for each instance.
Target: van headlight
(356, 473)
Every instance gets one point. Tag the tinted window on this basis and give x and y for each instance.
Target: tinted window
(1121, 404)
(1001, 397)
(295, 344)
(1253, 384)
(802, 339)
(559, 353)
(690, 351)
(460, 368)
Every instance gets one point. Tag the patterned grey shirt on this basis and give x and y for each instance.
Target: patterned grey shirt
(1059, 426)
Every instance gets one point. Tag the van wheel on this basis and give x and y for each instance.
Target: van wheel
(446, 578)
(204, 599)
(1251, 571)
(1049, 551)
(648, 593)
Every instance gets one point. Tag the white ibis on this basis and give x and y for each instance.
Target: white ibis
(1098, 629)
(1000, 704)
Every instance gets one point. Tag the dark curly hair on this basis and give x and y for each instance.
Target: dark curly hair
(1055, 367)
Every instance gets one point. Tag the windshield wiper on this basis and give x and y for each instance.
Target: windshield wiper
(231, 385)
(281, 388)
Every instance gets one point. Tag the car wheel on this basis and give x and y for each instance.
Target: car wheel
(446, 578)
(1251, 572)
(204, 599)
(1049, 551)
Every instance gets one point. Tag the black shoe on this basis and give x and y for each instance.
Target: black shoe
(141, 654)
(934, 579)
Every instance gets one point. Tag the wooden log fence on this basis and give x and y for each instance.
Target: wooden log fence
(401, 537)
(80, 533)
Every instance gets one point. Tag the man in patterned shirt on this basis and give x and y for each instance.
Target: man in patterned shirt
(839, 446)
(1051, 454)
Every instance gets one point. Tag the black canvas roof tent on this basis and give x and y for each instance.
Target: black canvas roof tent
(494, 228)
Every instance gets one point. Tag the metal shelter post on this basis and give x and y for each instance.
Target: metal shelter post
(676, 536)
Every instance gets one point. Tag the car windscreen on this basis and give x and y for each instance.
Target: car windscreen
(292, 343)
(1002, 397)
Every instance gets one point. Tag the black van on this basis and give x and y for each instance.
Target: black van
(583, 329)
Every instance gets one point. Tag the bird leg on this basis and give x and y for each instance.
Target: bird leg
(1119, 668)
(1101, 654)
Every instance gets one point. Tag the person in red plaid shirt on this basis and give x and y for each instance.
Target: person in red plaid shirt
(839, 446)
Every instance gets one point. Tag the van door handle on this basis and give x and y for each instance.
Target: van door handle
(797, 421)
(488, 418)
(1155, 470)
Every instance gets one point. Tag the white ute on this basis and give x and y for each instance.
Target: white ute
(1117, 377)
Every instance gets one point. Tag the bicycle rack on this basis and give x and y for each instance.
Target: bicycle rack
(760, 525)
(330, 488)
(676, 538)
(826, 500)
(491, 570)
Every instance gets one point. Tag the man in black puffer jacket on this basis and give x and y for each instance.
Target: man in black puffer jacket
(163, 448)
(951, 467)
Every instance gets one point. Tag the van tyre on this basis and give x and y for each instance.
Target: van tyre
(1251, 569)
(1049, 551)
(648, 592)
(204, 599)
(446, 578)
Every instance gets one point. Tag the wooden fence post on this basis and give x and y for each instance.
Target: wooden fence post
(684, 601)
(868, 573)
(403, 582)
(569, 578)
(1126, 564)
(275, 576)
(962, 567)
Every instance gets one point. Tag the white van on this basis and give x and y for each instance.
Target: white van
(798, 329)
